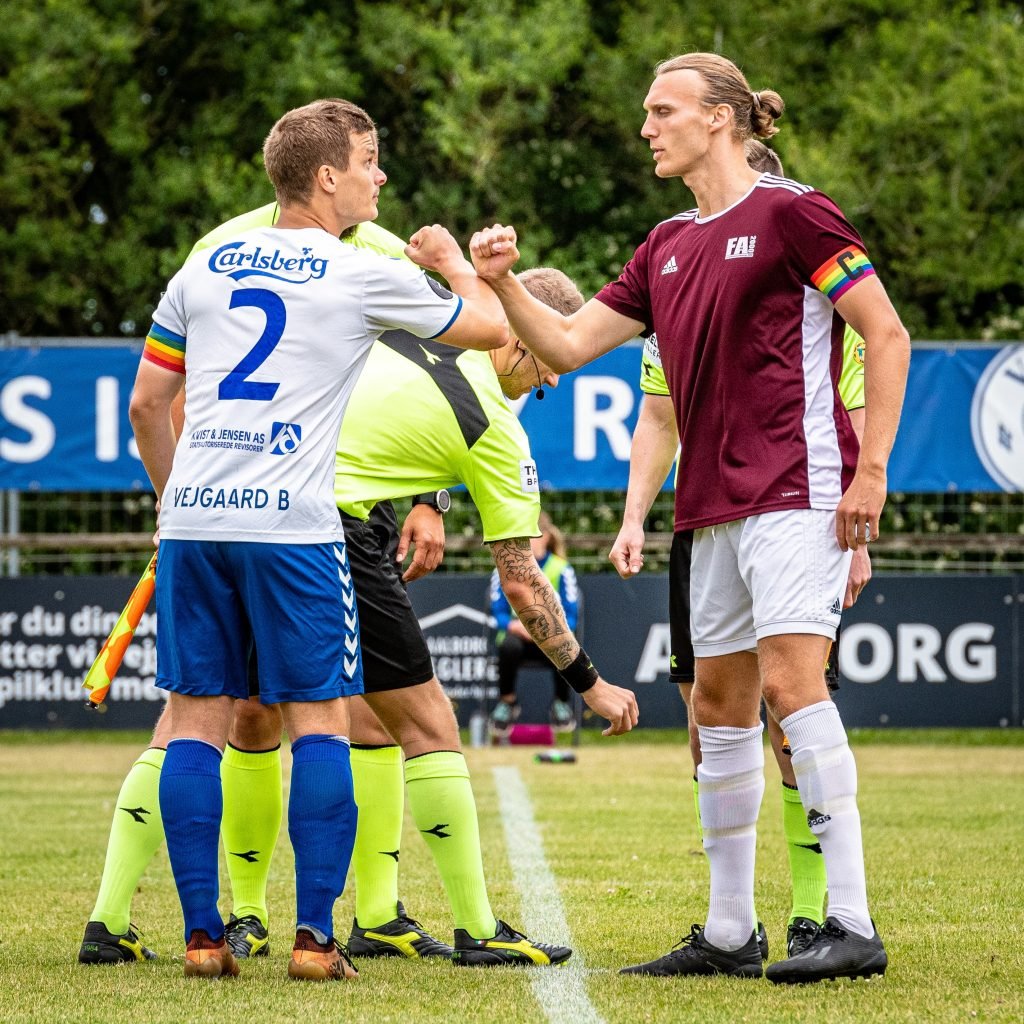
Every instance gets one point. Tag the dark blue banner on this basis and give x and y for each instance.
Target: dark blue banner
(915, 650)
(64, 421)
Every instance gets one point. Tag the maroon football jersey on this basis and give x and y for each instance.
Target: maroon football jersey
(742, 303)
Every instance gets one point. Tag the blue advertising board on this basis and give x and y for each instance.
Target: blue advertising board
(916, 650)
(64, 420)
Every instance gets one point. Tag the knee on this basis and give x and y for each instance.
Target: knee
(420, 717)
(255, 726)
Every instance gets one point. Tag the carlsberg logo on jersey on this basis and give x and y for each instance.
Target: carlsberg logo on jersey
(237, 262)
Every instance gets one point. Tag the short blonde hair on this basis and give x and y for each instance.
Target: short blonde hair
(754, 112)
(305, 139)
(553, 288)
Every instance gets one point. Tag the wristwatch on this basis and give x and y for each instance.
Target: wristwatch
(439, 501)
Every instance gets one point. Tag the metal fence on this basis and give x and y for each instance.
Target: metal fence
(110, 532)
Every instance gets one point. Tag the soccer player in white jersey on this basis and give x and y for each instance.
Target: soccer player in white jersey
(268, 336)
(748, 294)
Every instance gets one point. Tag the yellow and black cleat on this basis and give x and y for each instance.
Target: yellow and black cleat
(401, 936)
(506, 946)
(247, 936)
(100, 946)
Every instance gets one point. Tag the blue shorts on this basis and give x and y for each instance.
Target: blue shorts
(293, 603)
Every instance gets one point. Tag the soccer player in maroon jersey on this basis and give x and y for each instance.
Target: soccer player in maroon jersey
(748, 294)
(652, 455)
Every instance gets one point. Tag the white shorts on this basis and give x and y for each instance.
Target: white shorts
(771, 574)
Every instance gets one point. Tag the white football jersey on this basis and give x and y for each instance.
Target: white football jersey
(275, 327)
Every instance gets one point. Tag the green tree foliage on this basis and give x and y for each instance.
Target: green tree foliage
(128, 129)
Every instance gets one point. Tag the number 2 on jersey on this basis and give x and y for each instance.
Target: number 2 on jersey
(236, 383)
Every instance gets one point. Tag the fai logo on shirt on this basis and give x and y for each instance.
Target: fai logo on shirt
(670, 267)
(741, 247)
(285, 438)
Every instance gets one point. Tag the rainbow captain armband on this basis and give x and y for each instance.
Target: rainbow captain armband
(165, 348)
(835, 277)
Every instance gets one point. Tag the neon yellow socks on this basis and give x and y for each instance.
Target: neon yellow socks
(136, 832)
(250, 826)
(441, 800)
(380, 797)
(806, 864)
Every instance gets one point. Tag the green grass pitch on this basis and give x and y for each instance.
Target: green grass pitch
(943, 821)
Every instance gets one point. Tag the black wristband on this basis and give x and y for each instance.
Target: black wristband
(439, 501)
(581, 674)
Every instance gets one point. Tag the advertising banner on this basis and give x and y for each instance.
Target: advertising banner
(916, 650)
(64, 421)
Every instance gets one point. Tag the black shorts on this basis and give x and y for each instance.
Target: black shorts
(681, 664)
(832, 664)
(395, 653)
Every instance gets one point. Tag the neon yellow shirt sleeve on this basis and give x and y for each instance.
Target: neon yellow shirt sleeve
(366, 236)
(652, 375)
(851, 378)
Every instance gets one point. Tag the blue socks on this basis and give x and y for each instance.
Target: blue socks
(191, 805)
(321, 825)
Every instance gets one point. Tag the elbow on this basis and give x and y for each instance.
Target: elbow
(144, 410)
(562, 364)
(500, 336)
(517, 592)
(904, 341)
(565, 358)
(492, 335)
(899, 344)
(137, 409)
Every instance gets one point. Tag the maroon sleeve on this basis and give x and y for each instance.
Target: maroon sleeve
(629, 295)
(816, 232)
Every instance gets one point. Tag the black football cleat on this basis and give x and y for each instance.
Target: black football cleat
(506, 946)
(247, 937)
(695, 955)
(100, 946)
(833, 953)
(800, 934)
(402, 936)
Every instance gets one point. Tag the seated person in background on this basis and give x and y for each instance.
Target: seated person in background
(515, 645)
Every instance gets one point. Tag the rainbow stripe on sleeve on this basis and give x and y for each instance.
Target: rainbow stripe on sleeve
(835, 277)
(165, 348)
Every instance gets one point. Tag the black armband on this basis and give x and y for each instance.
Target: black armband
(581, 674)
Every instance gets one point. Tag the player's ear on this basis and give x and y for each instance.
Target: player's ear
(327, 178)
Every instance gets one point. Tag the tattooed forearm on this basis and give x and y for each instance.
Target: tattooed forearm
(538, 623)
(530, 593)
(514, 559)
(565, 653)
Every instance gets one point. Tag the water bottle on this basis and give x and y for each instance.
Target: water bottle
(478, 729)
(555, 757)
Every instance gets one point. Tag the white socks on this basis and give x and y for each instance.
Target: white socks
(826, 776)
(731, 784)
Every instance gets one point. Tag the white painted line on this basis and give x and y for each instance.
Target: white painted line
(561, 991)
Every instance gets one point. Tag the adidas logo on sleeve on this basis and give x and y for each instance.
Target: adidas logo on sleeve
(670, 267)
